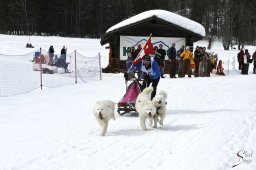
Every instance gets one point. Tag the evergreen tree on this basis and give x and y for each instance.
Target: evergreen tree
(89, 18)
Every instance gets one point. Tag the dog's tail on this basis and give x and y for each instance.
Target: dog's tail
(148, 90)
(163, 93)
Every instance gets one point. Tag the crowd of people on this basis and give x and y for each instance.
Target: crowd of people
(182, 61)
(52, 59)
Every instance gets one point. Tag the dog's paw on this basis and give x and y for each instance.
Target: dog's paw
(143, 128)
(161, 122)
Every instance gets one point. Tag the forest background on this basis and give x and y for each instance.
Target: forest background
(234, 21)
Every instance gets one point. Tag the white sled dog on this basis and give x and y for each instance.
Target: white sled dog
(104, 111)
(145, 107)
(160, 103)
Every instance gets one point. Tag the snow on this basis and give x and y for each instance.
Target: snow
(209, 120)
(165, 15)
(18, 43)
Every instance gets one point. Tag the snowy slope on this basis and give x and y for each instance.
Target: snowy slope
(209, 120)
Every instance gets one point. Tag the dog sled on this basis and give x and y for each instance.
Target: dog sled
(127, 103)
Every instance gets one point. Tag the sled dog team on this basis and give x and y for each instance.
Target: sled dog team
(154, 110)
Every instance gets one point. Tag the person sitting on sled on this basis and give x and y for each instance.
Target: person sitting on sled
(151, 69)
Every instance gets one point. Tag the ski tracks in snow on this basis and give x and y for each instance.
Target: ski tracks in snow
(240, 141)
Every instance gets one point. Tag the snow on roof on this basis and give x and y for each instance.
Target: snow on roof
(165, 15)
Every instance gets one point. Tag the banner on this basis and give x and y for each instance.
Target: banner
(126, 42)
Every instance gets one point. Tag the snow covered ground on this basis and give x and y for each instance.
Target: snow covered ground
(209, 121)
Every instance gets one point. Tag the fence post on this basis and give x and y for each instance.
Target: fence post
(100, 66)
(40, 68)
(75, 69)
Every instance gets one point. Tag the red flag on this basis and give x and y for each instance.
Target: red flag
(147, 50)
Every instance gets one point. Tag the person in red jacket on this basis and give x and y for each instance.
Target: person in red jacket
(220, 69)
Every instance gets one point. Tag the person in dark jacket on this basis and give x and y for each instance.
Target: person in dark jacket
(63, 53)
(157, 55)
(246, 61)
(240, 59)
(254, 62)
(51, 53)
(162, 55)
(180, 61)
(197, 58)
(129, 60)
(171, 53)
(152, 72)
(133, 53)
(137, 51)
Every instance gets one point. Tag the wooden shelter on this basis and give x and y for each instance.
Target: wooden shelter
(159, 23)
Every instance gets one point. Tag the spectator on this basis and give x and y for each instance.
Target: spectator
(152, 72)
(254, 62)
(197, 58)
(137, 51)
(204, 66)
(29, 45)
(133, 53)
(171, 53)
(47, 60)
(220, 69)
(63, 52)
(180, 61)
(215, 56)
(157, 55)
(212, 61)
(42, 59)
(129, 60)
(55, 59)
(240, 59)
(187, 57)
(51, 53)
(162, 55)
(209, 58)
(246, 62)
(61, 63)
